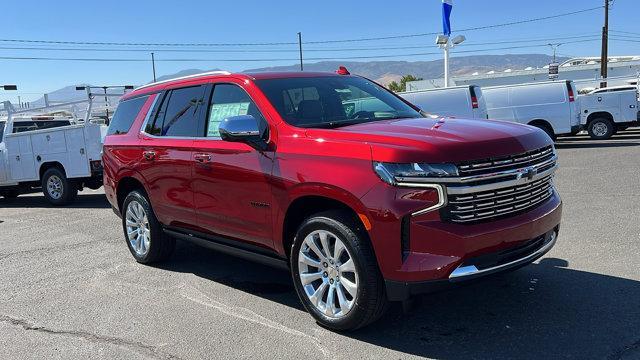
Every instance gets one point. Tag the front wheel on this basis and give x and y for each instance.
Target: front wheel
(57, 189)
(335, 272)
(600, 129)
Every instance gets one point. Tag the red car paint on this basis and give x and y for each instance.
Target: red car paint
(330, 163)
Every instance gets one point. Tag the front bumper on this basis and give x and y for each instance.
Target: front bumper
(475, 268)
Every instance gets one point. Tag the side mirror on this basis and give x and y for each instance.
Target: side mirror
(242, 128)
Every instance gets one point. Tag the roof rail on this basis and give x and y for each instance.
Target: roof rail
(217, 72)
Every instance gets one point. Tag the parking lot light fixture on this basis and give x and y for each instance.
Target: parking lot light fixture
(446, 44)
(9, 87)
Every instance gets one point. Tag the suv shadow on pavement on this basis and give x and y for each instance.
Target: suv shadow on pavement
(544, 310)
(83, 201)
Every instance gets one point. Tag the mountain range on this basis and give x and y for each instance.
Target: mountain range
(382, 72)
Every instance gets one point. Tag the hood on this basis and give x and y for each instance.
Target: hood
(439, 140)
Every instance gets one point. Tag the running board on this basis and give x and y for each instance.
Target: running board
(217, 245)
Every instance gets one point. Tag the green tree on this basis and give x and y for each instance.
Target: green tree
(402, 86)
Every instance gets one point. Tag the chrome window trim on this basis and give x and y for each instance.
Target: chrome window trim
(442, 198)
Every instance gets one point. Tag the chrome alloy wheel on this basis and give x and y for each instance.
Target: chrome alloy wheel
(328, 274)
(138, 231)
(54, 187)
(600, 129)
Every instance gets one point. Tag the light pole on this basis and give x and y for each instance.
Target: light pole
(447, 44)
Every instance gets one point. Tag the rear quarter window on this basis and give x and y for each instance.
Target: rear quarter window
(125, 115)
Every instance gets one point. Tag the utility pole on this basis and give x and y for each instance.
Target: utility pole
(604, 57)
(19, 102)
(153, 64)
(300, 47)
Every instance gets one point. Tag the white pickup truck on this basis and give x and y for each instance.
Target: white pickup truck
(59, 158)
(603, 112)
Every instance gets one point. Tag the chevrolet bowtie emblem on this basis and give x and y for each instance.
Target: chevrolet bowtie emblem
(528, 173)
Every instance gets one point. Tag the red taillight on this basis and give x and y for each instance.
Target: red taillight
(474, 102)
(343, 71)
(570, 89)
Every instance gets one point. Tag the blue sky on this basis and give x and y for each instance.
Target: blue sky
(278, 21)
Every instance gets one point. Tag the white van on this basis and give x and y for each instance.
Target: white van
(550, 106)
(459, 101)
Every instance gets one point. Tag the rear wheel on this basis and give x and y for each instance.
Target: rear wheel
(600, 129)
(335, 272)
(547, 129)
(9, 194)
(57, 189)
(143, 232)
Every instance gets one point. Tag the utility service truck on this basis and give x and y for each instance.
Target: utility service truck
(606, 111)
(58, 156)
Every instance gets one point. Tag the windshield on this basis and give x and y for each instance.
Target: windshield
(330, 102)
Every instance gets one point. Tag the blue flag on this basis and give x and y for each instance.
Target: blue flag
(447, 5)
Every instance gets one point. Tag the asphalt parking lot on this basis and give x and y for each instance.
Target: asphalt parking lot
(70, 289)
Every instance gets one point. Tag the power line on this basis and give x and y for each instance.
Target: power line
(276, 59)
(59, 42)
(292, 50)
(461, 30)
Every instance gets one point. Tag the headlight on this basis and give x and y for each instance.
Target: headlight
(390, 172)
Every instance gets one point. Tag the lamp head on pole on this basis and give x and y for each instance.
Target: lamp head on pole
(442, 40)
(458, 40)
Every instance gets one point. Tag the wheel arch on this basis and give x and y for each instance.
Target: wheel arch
(600, 114)
(541, 122)
(51, 164)
(303, 206)
(125, 185)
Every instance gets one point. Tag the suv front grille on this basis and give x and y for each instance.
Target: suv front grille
(500, 202)
(511, 162)
(499, 187)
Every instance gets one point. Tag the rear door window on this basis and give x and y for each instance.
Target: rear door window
(180, 114)
(125, 114)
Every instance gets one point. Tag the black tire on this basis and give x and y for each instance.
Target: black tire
(67, 190)
(600, 129)
(161, 246)
(370, 301)
(9, 194)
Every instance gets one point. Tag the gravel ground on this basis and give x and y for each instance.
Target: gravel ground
(70, 289)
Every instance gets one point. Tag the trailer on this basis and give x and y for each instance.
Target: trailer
(57, 160)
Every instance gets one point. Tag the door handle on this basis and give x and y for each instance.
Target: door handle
(202, 158)
(149, 155)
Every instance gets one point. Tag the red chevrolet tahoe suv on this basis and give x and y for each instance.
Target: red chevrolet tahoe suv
(363, 197)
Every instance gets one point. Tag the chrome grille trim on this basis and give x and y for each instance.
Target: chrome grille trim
(481, 177)
(522, 198)
(492, 188)
(456, 190)
(524, 159)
